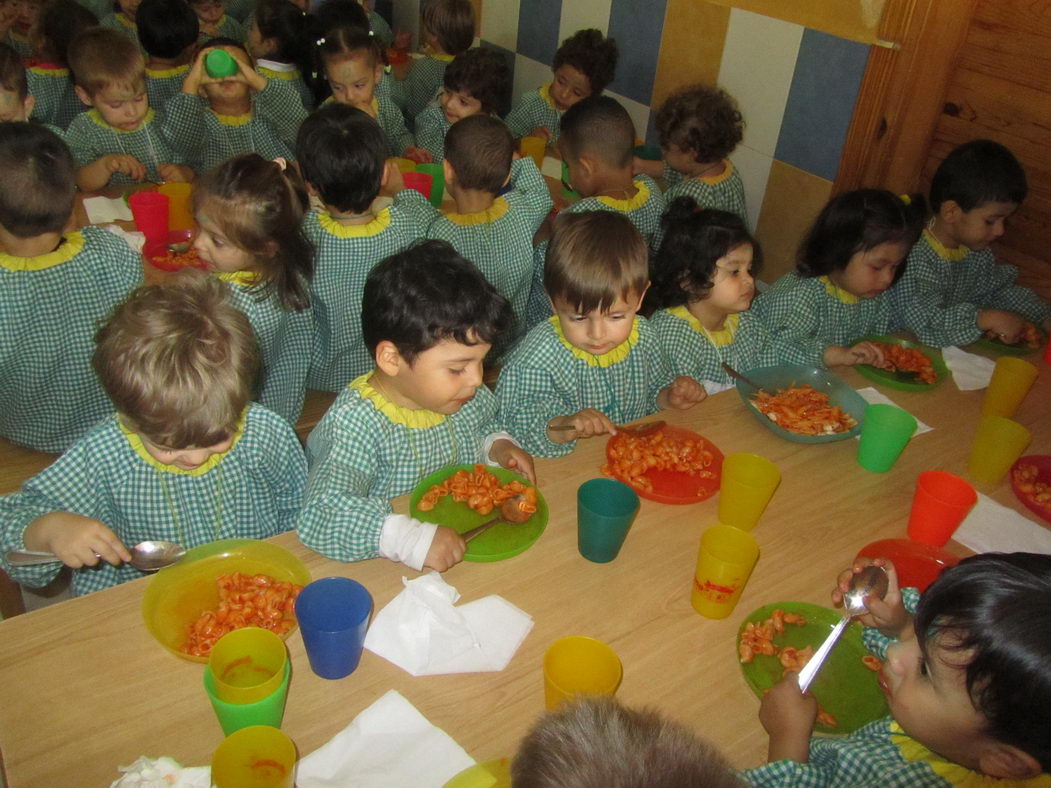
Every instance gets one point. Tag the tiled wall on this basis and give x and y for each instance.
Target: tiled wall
(796, 87)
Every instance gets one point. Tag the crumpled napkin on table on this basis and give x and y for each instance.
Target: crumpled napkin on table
(969, 370)
(162, 773)
(389, 744)
(993, 528)
(133, 238)
(874, 397)
(422, 632)
(106, 209)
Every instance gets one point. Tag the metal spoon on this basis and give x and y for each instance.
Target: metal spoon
(509, 513)
(733, 373)
(870, 581)
(145, 556)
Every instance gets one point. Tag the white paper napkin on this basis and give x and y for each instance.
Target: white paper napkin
(162, 773)
(133, 238)
(969, 371)
(104, 209)
(389, 744)
(552, 168)
(875, 397)
(991, 527)
(421, 632)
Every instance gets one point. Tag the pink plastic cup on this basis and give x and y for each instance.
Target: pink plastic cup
(150, 211)
(420, 181)
(940, 504)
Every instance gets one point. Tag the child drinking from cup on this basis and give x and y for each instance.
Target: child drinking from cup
(249, 217)
(168, 35)
(278, 38)
(186, 458)
(953, 290)
(428, 318)
(48, 74)
(703, 285)
(447, 31)
(851, 256)
(596, 363)
(583, 66)
(966, 681)
(55, 286)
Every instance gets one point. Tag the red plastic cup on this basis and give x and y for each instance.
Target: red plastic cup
(939, 506)
(150, 211)
(420, 181)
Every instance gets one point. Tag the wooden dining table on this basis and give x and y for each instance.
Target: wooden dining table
(84, 687)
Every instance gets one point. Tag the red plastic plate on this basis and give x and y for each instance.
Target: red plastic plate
(917, 564)
(1043, 464)
(677, 487)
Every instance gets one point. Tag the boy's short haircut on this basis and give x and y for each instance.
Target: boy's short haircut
(978, 172)
(38, 183)
(178, 360)
(600, 127)
(101, 57)
(452, 23)
(166, 27)
(594, 258)
(480, 149)
(60, 22)
(590, 53)
(342, 152)
(12, 72)
(596, 741)
(482, 74)
(995, 610)
(427, 294)
(702, 119)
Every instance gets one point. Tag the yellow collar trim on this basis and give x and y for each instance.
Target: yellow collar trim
(837, 292)
(714, 180)
(444, 58)
(379, 223)
(545, 94)
(721, 338)
(413, 419)
(244, 278)
(70, 247)
(491, 214)
(100, 121)
(607, 359)
(136, 444)
(18, 37)
(122, 19)
(641, 196)
(234, 120)
(50, 72)
(164, 73)
(289, 75)
(944, 252)
(953, 773)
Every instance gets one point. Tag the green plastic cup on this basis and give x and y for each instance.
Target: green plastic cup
(605, 511)
(234, 716)
(437, 181)
(885, 430)
(220, 64)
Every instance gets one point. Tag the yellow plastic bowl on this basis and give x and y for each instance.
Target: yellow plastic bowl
(178, 595)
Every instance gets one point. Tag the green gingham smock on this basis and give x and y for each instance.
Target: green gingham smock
(163, 83)
(366, 451)
(644, 210)
(546, 377)
(90, 138)
(422, 83)
(696, 352)
(50, 308)
(724, 191)
(253, 490)
(805, 315)
(285, 341)
(206, 139)
(533, 110)
(286, 72)
(118, 21)
(98, 7)
(241, 10)
(21, 44)
(391, 122)
(344, 255)
(943, 290)
(499, 240)
(381, 29)
(431, 128)
(56, 100)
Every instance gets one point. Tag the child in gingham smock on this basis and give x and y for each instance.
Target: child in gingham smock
(123, 20)
(48, 74)
(447, 31)
(279, 41)
(168, 35)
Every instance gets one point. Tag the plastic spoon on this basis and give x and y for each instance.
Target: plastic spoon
(145, 556)
(510, 512)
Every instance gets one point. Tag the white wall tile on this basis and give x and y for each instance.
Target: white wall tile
(580, 14)
(640, 113)
(500, 23)
(529, 75)
(755, 173)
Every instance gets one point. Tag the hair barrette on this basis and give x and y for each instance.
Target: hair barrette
(321, 41)
(905, 199)
(371, 33)
(281, 163)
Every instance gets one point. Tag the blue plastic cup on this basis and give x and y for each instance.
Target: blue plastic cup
(605, 511)
(333, 615)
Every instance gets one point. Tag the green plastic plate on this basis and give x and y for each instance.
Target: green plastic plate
(1019, 349)
(886, 378)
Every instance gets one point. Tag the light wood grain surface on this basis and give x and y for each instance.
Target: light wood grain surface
(84, 688)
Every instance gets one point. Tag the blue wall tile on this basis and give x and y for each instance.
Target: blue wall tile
(538, 22)
(637, 25)
(821, 102)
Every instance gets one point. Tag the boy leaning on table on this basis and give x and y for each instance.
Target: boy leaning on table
(429, 318)
(186, 458)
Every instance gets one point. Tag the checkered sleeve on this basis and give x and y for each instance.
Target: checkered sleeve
(532, 194)
(81, 141)
(689, 353)
(279, 103)
(282, 465)
(874, 640)
(538, 308)
(382, 30)
(431, 127)
(993, 286)
(922, 300)
(231, 28)
(422, 84)
(267, 142)
(393, 124)
(658, 370)
(184, 124)
(789, 314)
(532, 112)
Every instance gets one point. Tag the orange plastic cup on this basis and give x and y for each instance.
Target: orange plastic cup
(579, 665)
(748, 483)
(247, 665)
(256, 757)
(940, 504)
(180, 213)
(535, 147)
(724, 564)
(1011, 381)
(998, 442)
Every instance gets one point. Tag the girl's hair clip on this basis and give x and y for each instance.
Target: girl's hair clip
(905, 198)
(321, 41)
(281, 163)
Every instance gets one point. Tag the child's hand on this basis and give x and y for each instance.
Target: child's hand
(176, 172)
(543, 132)
(861, 353)
(1001, 324)
(583, 424)
(418, 155)
(129, 165)
(245, 73)
(512, 457)
(76, 540)
(682, 394)
(196, 75)
(446, 549)
(888, 615)
(788, 715)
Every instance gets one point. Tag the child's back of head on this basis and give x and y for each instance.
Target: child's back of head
(451, 22)
(590, 53)
(342, 153)
(289, 31)
(702, 121)
(178, 361)
(598, 127)
(598, 743)
(38, 186)
(167, 28)
(101, 58)
(60, 22)
(483, 75)
(479, 148)
(978, 172)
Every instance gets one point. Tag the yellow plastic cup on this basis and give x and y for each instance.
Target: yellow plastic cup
(247, 665)
(256, 757)
(1011, 381)
(747, 485)
(998, 442)
(535, 147)
(579, 665)
(724, 564)
(404, 165)
(180, 213)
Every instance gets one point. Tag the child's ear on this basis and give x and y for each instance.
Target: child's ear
(27, 106)
(642, 295)
(388, 359)
(1008, 762)
(448, 172)
(950, 211)
(379, 73)
(83, 95)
